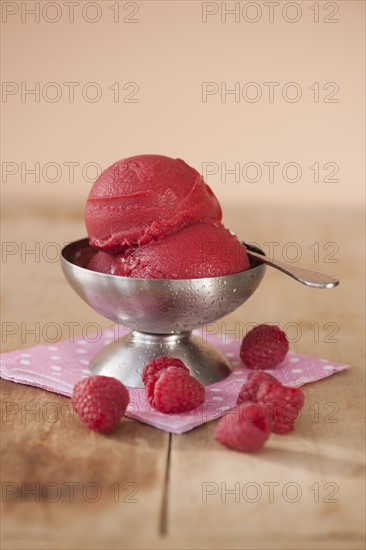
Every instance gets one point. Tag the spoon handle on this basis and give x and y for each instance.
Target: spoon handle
(305, 276)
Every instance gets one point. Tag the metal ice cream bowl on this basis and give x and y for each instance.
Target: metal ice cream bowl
(161, 314)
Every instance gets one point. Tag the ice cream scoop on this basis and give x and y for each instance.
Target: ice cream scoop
(153, 217)
(198, 250)
(141, 198)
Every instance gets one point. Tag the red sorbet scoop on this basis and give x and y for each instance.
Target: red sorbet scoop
(145, 197)
(199, 250)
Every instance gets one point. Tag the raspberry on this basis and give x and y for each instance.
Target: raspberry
(248, 391)
(246, 428)
(264, 347)
(100, 401)
(153, 369)
(154, 366)
(283, 405)
(175, 391)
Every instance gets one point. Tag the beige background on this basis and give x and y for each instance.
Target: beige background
(169, 52)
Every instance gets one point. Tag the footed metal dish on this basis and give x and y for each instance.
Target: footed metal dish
(161, 314)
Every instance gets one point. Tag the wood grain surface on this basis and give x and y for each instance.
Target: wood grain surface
(64, 487)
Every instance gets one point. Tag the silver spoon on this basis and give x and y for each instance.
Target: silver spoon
(305, 276)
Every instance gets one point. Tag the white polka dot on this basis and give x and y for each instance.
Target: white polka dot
(83, 362)
(55, 367)
(323, 360)
(217, 398)
(53, 348)
(55, 357)
(24, 362)
(229, 354)
(237, 372)
(25, 354)
(81, 350)
(81, 342)
(294, 360)
(215, 389)
(240, 380)
(297, 370)
(86, 371)
(328, 367)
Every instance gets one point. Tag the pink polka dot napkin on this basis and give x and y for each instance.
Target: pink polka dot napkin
(58, 366)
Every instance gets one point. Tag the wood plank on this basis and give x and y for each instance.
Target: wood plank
(226, 495)
(60, 480)
(36, 449)
(297, 466)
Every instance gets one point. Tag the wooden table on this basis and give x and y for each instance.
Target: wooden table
(144, 488)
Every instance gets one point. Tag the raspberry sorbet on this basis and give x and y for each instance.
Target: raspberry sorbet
(151, 216)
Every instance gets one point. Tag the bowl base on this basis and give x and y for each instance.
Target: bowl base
(126, 358)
